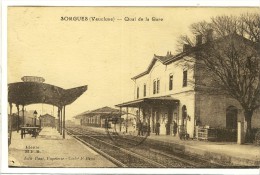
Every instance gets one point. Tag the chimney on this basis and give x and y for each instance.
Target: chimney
(186, 47)
(198, 40)
(210, 35)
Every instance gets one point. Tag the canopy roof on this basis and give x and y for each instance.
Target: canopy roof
(26, 93)
(163, 100)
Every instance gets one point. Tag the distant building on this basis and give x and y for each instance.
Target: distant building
(47, 120)
(57, 123)
(70, 122)
(101, 117)
(28, 118)
(78, 118)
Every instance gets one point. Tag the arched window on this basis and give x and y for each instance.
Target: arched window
(184, 112)
(158, 86)
(170, 82)
(183, 127)
(137, 93)
(154, 86)
(144, 90)
(231, 117)
(185, 78)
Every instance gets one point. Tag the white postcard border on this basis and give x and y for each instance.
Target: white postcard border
(4, 146)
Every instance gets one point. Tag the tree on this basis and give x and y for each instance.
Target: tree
(230, 52)
(246, 25)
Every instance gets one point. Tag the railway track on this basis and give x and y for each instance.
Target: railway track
(119, 156)
(123, 152)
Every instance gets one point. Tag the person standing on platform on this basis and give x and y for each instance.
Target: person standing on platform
(175, 128)
(157, 128)
(144, 127)
(139, 126)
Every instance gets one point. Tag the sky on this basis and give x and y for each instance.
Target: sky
(104, 55)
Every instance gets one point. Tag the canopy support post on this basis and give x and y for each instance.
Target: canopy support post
(120, 127)
(139, 113)
(23, 115)
(10, 128)
(126, 123)
(63, 123)
(17, 120)
(152, 120)
(58, 124)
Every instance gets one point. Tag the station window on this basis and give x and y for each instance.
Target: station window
(158, 86)
(144, 90)
(137, 92)
(154, 87)
(185, 75)
(170, 82)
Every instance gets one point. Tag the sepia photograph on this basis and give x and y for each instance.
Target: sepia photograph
(133, 87)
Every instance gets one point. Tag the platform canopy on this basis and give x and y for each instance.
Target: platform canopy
(35, 91)
(163, 100)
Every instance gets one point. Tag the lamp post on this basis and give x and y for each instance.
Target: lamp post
(35, 116)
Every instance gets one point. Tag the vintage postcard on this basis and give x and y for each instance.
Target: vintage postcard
(132, 87)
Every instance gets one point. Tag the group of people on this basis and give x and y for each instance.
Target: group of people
(144, 128)
(157, 128)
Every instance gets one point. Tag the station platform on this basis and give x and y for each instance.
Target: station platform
(230, 153)
(221, 152)
(48, 149)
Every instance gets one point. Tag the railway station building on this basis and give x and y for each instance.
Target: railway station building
(166, 92)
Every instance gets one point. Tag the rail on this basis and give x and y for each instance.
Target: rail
(165, 157)
(144, 162)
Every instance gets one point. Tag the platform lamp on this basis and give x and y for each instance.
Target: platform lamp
(35, 116)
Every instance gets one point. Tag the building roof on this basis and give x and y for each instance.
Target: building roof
(46, 115)
(163, 59)
(81, 114)
(163, 100)
(104, 111)
(169, 58)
